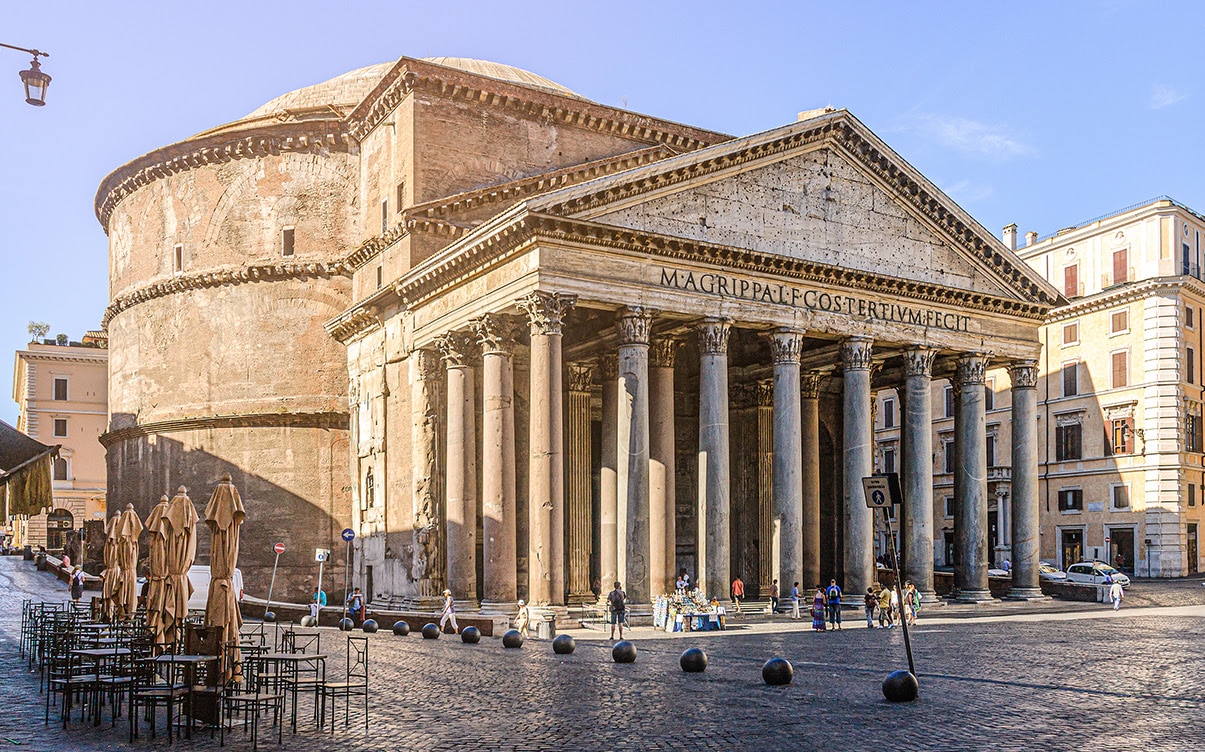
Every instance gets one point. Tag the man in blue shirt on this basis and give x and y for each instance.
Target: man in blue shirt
(832, 600)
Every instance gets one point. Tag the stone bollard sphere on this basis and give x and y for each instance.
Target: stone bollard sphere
(563, 644)
(346, 625)
(369, 626)
(623, 652)
(309, 621)
(269, 616)
(401, 628)
(693, 661)
(900, 686)
(431, 631)
(777, 671)
(470, 635)
(512, 639)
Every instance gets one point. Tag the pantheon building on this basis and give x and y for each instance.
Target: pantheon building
(526, 344)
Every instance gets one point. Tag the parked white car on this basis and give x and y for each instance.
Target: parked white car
(1094, 573)
(199, 576)
(1048, 571)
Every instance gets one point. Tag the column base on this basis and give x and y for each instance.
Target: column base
(466, 606)
(973, 597)
(582, 599)
(931, 598)
(499, 608)
(1026, 594)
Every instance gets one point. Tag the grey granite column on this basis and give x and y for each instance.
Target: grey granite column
(546, 499)
(1026, 585)
(460, 481)
(971, 435)
(713, 538)
(858, 434)
(633, 326)
(809, 483)
(578, 517)
(787, 485)
(662, 540)
(500, 587)
(608, 558)
(917, 439)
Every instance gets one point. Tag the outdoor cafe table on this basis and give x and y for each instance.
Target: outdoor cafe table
(97, 657)
(290, 662)
(188, 667)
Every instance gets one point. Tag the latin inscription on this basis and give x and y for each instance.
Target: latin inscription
(737, 288)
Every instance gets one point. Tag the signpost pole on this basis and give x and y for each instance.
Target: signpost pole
(348, 536)
(882, 492)
(271, 585)
(899, 591)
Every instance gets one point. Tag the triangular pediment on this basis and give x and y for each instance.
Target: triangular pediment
(825, 191)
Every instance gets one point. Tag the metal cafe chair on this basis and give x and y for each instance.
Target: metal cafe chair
(149, 691)
(303, 678)
(251, 705)
(354, 685)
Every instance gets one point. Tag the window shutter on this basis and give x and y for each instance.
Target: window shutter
(1110, 437)
(1120, 369)
(1060, 443)
(1071, 280)
(1121, 266)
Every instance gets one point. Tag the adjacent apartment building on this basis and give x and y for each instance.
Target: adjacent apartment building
(61, 389)
(1120, 400)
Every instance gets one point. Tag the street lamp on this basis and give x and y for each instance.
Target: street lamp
(34, 79)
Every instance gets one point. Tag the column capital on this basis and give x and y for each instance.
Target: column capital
(713, 336)
(581, 375)
(546, 311)
(765, 393)
(426, 363)
(856, 354)
(918, 361)
(457, 348)
(663, 352)
(972, 370)
(495, 333)
(810, 383)
(634, 325)
(609, 365)
(1024, 374)
(786, 345)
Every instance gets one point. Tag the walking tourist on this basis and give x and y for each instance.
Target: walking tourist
(818, 610)
(523, 619)
(885, 608)
(774, 597)
(77, 584)
(911, 603)
(738, 592)
(617, 600)
(1116, 594)
(833, 595)
(795, 601)
(870, 601)
(355, 607)
(448, 614)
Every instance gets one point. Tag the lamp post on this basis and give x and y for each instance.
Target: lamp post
(34, 79)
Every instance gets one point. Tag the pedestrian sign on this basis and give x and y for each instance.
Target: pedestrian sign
(881, 490)
(322, 554)
(348, 534)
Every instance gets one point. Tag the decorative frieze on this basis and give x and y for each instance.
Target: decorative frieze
(546, 311)
(634, 325)
(1024, 374)
(972, 370)
(810, 383)
(495, 333)
(581, 375)
(786, 345)
(663, 352)
(918, 361)
(856, 354)
(713, 336)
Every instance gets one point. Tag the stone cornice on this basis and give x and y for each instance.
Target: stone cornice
(217, 148)
(224, 277)
(338, 421)
(410, 75)
(97, 355)
(1127, 293)
(408, 225)
(353, 322)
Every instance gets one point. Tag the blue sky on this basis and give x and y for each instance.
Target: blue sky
(1039, 113)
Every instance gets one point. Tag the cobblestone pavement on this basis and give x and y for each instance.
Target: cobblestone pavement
(1122, 681)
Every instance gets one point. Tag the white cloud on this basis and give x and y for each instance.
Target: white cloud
(968, 192)
(973, 138)
(1163, 95)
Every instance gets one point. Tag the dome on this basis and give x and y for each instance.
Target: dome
(502, 73)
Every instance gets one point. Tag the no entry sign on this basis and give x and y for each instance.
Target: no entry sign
(279, 548)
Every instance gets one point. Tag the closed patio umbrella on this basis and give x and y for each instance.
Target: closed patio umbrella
(180, 522)
(224, 514)
(111, 577)
(156, 568)
(129, 527)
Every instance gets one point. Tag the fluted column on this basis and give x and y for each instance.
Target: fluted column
(971, 435)
(578, 518)
(633, 326)
(787, 484)
(1025, 549)
(424, 409)
(917, 465)
(460, 482)
(662, 539)
(608, 559)
(713, 537)
(858, 435)
(496, 336)
(809, 482)
(546, 506)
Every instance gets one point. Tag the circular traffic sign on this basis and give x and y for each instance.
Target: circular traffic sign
(279, 548)
(348, 534)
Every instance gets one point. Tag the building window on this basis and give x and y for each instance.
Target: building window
(949, 396)
(60, 389)
(385, 216)
(1189, 316)
(1121, 436)
(380, 278)
(1120, 494)
(286, 241)
(948, 449)
(991, 450)
(888, 413)
(1119, 321)
(1192, 495)
(1070, 379)
(1071, 500)
(1068, 442)
(889, 460)
(949, 506)
(989, 394)
(1192, 433)
(401, 196)
(60, 469)
(1070, 334)
(178, 262)
(1190, 369)
(60, 427)
(367, 500)
(1186, 259)
(1121, 266)
(1071, 280)
(1120, 369)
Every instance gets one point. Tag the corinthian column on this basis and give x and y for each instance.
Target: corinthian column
(810, 481)
(917, 439)
(713, 537)
(787, 485)
(859, 463)
(428, 563)
(971, 435)
(1026, 585)
(662, 541)
(633, 325)
(608, 525)
(460, 482)
(578, 519)
(496, 336)
(546, 507)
